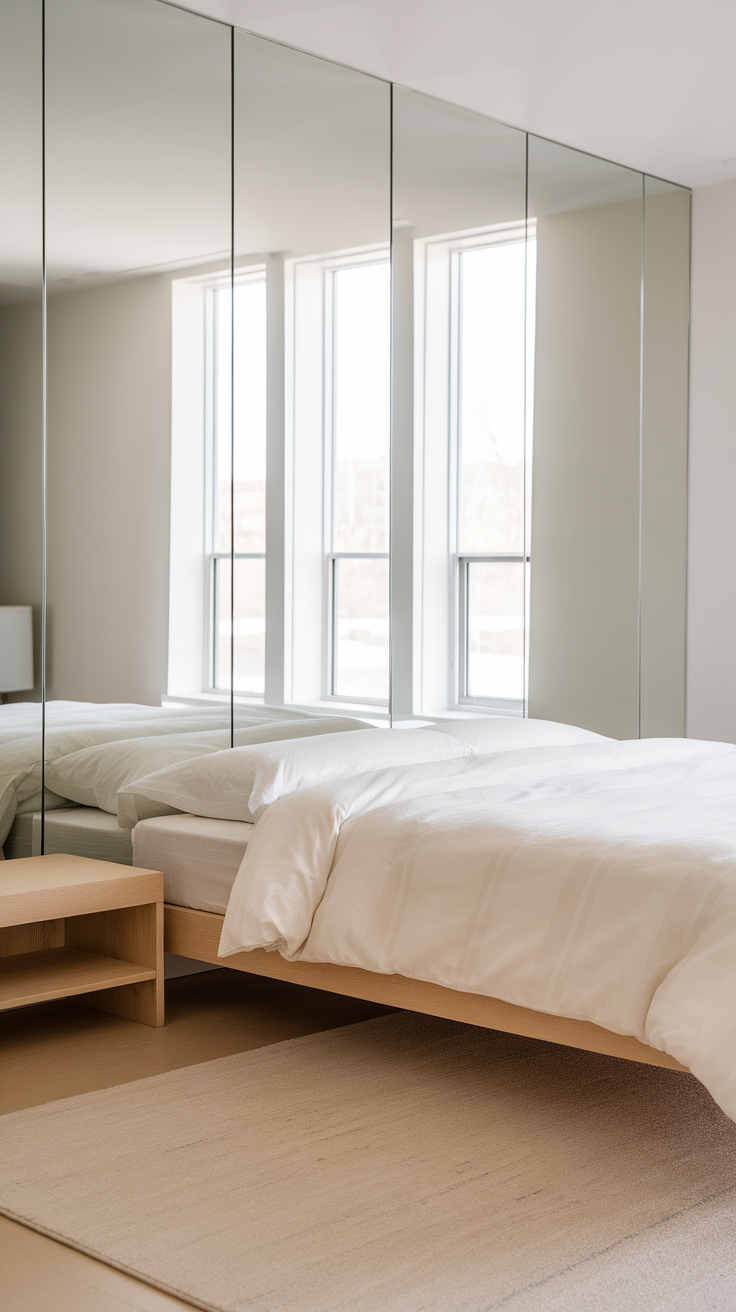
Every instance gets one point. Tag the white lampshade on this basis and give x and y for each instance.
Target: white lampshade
(16, 648)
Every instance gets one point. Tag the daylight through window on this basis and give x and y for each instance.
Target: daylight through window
(240, 448)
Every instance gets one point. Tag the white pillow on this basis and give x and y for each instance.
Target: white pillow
(507, 732)
(232, 785)
(95, 775)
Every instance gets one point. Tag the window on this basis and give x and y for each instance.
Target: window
(461, 456)
(336, 489)
(493, 416)
(337, 458)
(242, 448)
(358, 514)
(474, 301)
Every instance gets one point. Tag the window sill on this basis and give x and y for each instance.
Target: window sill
(376, 715)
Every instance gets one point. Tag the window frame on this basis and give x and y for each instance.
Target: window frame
(332, 268)
(255, 273)
(333, 601)
(443, 599)
(321, 320)
(463, 561)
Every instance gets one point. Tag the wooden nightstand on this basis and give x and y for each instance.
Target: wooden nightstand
(74, 927)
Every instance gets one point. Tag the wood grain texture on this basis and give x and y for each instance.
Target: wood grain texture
(91, 907)
(197, 934)
(31, 938)
(128, 934)
(48, 887)
(31, 977)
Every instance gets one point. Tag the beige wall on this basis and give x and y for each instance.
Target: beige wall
(109, 438)
(664, 463)
(711, 675)
(607, 646)
(20, 467)
(584, 645)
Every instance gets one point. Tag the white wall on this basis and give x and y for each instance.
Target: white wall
(20, 468)
(711, 677)
(109, 440)
(584, 634)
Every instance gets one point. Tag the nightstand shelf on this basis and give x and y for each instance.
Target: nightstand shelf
(29, 977)
(74, 927)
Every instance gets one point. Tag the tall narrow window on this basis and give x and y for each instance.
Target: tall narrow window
(245, 528)
(360, 449)
(495, 315)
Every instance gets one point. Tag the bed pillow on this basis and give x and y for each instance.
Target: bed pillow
(233, 785)
(507, 732)
(95, 775)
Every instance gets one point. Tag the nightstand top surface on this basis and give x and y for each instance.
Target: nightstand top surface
(39, 887)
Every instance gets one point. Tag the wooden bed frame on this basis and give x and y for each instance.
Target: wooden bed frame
(196, 934)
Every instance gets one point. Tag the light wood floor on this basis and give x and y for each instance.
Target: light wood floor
(62, 1048)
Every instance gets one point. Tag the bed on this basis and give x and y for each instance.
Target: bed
(200, 858)
(92, 748)
(583, 891)
(369, 864)
(580, 892)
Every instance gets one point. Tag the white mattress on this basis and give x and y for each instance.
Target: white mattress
(83, 831)
(199, 857)
(77, 830)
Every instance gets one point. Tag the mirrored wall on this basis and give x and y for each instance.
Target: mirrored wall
(21, 413)
(321, 398)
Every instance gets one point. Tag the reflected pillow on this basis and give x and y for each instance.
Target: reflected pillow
(95, 775)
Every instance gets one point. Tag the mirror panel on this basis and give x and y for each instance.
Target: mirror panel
(664, 414)
(459, 443)
(21, 424)
(584, 596)
(312, 433)
(137, 183)
(322, 439)
(137, 195)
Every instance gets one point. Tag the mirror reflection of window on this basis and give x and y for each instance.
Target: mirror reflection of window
(240, 522)
(494, 335)
(360, 480)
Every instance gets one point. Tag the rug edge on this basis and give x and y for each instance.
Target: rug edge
(187, 1299)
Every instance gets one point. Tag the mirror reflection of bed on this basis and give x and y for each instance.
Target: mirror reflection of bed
(387, 458)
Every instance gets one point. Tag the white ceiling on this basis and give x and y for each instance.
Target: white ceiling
(647, 83)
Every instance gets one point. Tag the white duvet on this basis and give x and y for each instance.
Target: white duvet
(595, 881)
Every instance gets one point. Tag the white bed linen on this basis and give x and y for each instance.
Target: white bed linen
(95, 775)
(235, 784)
(596, 882)
(71, 726)
(74, 726)
(199, 857)
(83, 831)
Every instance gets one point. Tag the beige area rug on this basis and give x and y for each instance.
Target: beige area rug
(405, 1164)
